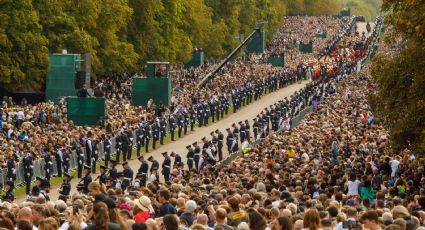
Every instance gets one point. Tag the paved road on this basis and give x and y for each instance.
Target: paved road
(179, 146)
(361, 26)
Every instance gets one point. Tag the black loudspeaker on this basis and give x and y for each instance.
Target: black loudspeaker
(80, 79)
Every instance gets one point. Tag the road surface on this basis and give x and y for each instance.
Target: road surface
(179, 146)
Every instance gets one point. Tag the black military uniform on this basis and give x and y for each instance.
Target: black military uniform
(242, 131)
(163, 130)
(11, 168)
(192, 113)
(130, 139)
(95, 154)
(66, 159)
(65, 188)
(103, 177)
(147, 136)
(230, 141)
(113, 173)
(172, 124)
(199, 114)
(140, 139)
(185, 122)
(255, 127)
(177, 159)
(235, 132)
(220, 140)
(107, 144)
(144, 166)
(9, 195)
(48, 166)
(35, 191)
(155, 134)
(128, 176)
(155, 165)
(86, 179)
(28, 172)
(166, 167)
(189, 156)
(89, 146)
(196, 155)
(247, 130)
(180, 124)
(125, 145)
(80, 158)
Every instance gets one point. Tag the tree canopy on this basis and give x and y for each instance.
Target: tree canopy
(122, 35)
(400, 98)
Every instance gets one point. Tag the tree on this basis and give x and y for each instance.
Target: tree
(23, 52)
(400, 99)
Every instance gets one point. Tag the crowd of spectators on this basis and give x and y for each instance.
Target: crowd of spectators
(336, 170)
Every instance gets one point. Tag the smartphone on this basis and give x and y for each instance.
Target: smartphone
(133, 193)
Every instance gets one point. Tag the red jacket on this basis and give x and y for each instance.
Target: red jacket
(142, 216)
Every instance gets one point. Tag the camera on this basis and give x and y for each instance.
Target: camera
(133, 193)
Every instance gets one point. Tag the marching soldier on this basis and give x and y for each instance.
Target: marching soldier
(196, 155)
(103, 174)
(48, 165)
(147, 136)
(242, 131)
(128, 176)
(177, 159)
(113, 173)
(107, 143)
(206, 114)
(185, 122)
(28, 172)
(166, 167)
(80, 157)
(130, 139)
(11, 168)
(180, 124)
(125, 145)
(86, 179)
(235, 132)
(155, 165)
(155, 134)
(9, 195)
(89, 146)
(172, 124)
(199, 114)
(139, 181)
(247, 130)
(230, 141)
(189, 156)
(45, 189)
(95, 154)
(140, 139)
(35, 191)
(192, 113)
(163, 130)
(220, 139)
(65, 188)
(144, 166)
(255, 127)
(119, 181)
(66, 159)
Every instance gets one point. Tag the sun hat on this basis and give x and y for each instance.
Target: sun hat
(144, 203)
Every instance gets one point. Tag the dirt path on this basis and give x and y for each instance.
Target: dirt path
(179, 146)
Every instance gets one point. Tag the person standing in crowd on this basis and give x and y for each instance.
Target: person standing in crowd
(144, 166)
(87, 179)
(59, 159)
(197, 154)
(154, 166)
(66, 160)
(48, 165)
(9, 195)
(103, 177)
(112, 170)
(128, 175)
(220, 141)
(107, 144)
(11, 167)
(166, 207)
(190, 154)
(177, 159)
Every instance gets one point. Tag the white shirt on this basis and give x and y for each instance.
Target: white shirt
(394, 167)
(65, 226)
(20, 115)
(353, 188)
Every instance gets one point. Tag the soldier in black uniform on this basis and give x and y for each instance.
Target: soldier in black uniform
(177, 159)
(235, 132)
(66, 159)
(128, 176)
(242, 131)
(86, 179)
(103, 174)
(125, 141)
(95, 154)
(166, 167)
(180, 124)
(247, 130)
(196, 155)
(185, 122)
(155, 134)
(140, 139)
(220, 143)
(48, 166)
(255, 128)
(80, 157)
(144, 166)
(163, 130)
(65, 188)
(192, 118)
(35, 191)
(172, 124)
(206, 114)
(147, 136)
(9, 195)
(189, 156)
(107, 144)
(200, 114)
(113, 173)
(155, 165)
(230, 141)
(11, 169)
(28, 172)
(130, 139)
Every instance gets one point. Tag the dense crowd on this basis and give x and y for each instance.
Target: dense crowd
(336, 170)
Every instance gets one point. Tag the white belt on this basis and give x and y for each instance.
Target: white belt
(166, 166)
